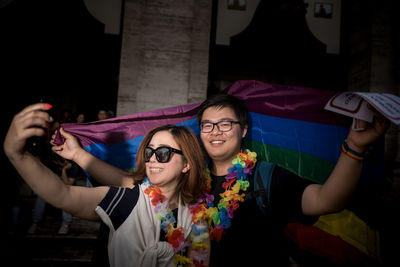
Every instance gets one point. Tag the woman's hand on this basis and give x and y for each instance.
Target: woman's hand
(31, 121)
(69, 148)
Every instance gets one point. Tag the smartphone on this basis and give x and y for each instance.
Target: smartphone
(37, 145)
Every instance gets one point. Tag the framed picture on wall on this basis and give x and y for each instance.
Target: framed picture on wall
(236, 4)
(323, 10)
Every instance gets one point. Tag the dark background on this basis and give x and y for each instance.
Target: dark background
(58, 52)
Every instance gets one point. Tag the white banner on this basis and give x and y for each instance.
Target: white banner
(354, 104)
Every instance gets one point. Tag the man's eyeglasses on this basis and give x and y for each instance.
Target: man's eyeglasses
(223, 126)
(163, 153)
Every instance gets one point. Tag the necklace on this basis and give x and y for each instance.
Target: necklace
(236, 183)
(217, 218)
(175, 235)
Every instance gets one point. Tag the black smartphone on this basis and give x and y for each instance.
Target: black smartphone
(37, 145)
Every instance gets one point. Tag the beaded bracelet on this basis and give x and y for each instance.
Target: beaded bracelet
(351, 153)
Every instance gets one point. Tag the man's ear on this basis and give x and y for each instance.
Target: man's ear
(186, 168)
(244, 131)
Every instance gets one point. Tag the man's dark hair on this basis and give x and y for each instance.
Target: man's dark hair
(225, 101)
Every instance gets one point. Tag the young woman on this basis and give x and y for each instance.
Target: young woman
(152, 220)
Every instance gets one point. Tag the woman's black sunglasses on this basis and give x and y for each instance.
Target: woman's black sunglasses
(163, 153)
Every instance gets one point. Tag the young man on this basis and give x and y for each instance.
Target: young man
(255, 239)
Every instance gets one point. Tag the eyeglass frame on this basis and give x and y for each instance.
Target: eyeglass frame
(216, 124)
(154, 151)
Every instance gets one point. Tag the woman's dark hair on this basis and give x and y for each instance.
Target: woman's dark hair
(192, 183)
(222, 100)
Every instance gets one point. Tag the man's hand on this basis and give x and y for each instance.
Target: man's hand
(360, 140)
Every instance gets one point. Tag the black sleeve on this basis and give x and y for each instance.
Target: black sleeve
(119, 203)
(286, 196)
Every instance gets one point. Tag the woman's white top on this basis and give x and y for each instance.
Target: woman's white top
(135, 229)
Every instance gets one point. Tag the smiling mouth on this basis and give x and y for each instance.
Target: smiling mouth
(217, 142)
(156, 170)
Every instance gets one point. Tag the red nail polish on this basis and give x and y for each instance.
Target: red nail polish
(48, 106)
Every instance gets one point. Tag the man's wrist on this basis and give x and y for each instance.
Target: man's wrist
(354, 154)
(356, 148)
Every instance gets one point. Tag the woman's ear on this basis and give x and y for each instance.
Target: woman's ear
(186, 168)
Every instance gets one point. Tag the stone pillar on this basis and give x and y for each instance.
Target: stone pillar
(373, 61)
(164, 56)
(383, 78)
(373, 65)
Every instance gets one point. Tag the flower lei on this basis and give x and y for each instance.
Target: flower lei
(217, 218)
(175, 235)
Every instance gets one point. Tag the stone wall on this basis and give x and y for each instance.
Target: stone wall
(373, 62)
(164, 56)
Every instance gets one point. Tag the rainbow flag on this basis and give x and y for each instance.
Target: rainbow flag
(288, 126)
